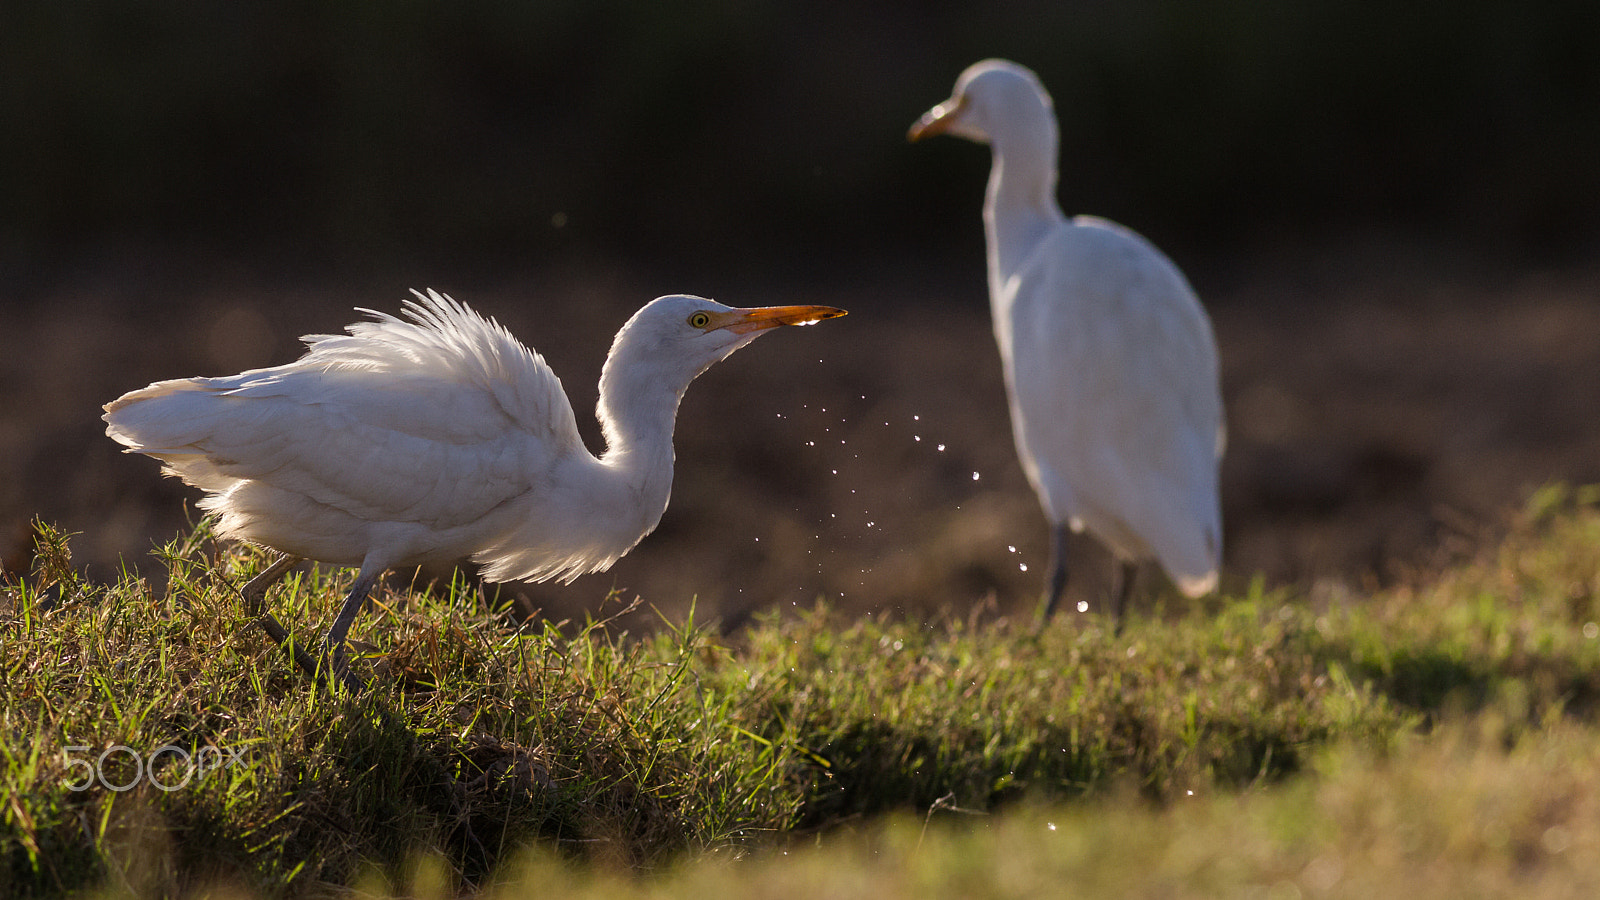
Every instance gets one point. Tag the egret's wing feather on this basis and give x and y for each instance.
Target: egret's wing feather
(1155, 312)
(1120, 398)
(437, 420)
(448, 341)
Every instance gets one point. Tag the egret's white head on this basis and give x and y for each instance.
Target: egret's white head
(677, 337)
(668, 343)
(993, 101)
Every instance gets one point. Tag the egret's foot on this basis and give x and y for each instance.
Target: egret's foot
(1127, 572)
(337, 666)
(323, 670)
(350, 680)
(280, 636)
(1056, 584)
(1044, 611)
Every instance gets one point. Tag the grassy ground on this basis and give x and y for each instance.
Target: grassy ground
(1437, 741)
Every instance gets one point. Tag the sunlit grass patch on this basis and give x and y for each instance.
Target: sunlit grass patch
(479, 736)
(157, 742)
(1459, 815)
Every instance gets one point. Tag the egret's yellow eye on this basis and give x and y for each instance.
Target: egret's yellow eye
(699, 320)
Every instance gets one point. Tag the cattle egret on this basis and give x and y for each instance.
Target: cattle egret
(1110, 364)
(436, 437)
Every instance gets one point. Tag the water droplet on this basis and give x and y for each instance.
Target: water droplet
(941, 448)
(1083, 606)
(974, 476)
(1051, 825)
(916, 437)
(1011, 548)
(1022, 566)
(1591, 630)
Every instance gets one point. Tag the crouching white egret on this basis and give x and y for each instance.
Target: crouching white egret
(1110, 363)
(436, 437)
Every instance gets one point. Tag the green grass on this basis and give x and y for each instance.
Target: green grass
(1459, 815)
(1259, 744)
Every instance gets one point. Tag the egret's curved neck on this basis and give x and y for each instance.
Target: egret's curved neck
(637, 410)
(1020, 205)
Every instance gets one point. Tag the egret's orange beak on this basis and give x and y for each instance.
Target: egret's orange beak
(744, 321)
(934, 121)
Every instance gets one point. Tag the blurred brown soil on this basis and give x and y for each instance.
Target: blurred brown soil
(1385, 417)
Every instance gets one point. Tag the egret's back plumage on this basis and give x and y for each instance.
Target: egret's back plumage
(1110, 363)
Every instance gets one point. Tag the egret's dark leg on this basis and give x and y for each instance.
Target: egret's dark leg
(255, 601)
(1126, 573)
(1056, 583)
(255, 590)
(333, 644)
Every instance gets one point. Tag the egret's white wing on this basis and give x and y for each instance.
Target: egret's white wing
(1116, 382)
(1162, 324)
(436, 420)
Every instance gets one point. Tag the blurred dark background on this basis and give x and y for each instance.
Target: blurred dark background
(768, 135)
(1393, 211)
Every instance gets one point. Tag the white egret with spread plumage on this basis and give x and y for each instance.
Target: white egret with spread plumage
(434, 437)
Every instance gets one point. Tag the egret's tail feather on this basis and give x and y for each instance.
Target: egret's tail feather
(170, 420)
(1197, 585)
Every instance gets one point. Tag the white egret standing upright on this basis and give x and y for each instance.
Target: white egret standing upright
(1110, 364)
(437, 437)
